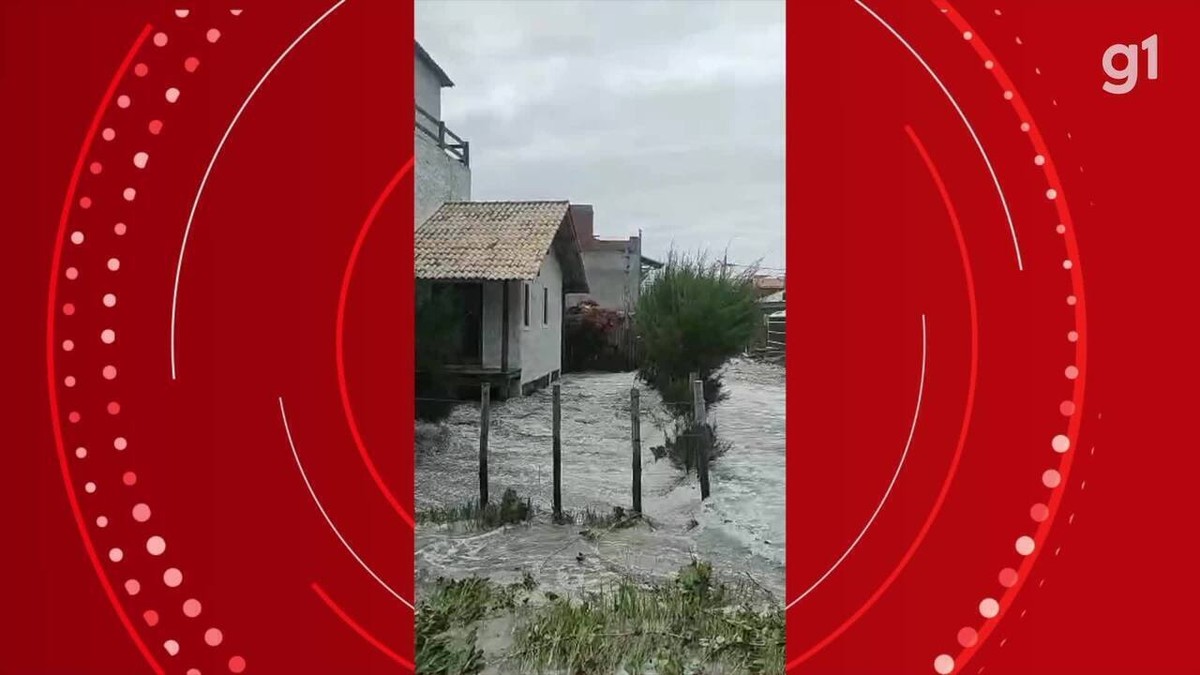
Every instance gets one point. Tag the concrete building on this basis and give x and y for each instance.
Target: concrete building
(509, 266)
(774, 302)
(443, 159)
(614, 266)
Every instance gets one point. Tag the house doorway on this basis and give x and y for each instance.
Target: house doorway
(467, 298)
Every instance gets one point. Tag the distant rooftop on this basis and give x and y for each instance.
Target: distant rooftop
(764, 282)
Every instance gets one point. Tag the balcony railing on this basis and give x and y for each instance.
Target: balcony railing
(449, 142)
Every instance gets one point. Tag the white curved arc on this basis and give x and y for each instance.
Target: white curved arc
(287, 429)
(187, 230)
(978, 144)
(886, 493)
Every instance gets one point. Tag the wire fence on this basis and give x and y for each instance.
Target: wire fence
(692, 438)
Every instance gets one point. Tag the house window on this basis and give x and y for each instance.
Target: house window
(545, 306)
(526, 305)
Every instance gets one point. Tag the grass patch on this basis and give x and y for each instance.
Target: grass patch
(512, 510)
(674, 628)
(690, 624)
(446, 622)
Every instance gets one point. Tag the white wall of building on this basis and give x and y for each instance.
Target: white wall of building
(439, 178)
(614, 279)
(493, 295)
(493, 324)
(428, 89)
(541, 342)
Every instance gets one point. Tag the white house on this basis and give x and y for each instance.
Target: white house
(509, 266)
(443, 159)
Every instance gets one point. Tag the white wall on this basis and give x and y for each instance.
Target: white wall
(493, 324)
(613, 279)
(541, 345)
(514, 323)
(428, 90)
(537, 349)
(493, 320)
(439, 178)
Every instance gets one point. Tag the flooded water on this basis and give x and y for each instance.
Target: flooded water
(740, 529)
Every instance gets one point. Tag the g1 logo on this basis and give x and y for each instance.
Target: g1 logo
(1123, 80)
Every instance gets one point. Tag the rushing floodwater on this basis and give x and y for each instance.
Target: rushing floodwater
(740, 529)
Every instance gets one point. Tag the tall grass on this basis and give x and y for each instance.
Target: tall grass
(693, 316)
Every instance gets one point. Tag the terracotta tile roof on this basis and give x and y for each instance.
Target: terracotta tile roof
(494, 240)
(764, 282)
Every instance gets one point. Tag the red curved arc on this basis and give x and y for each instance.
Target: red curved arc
(362, 632)
(966, 421)
(1072, 245)
(343, 390)
(52, 381)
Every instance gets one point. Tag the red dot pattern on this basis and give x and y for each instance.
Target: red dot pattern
(108, 193)
(1054, 478)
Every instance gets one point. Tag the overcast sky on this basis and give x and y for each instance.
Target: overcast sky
(668, 116)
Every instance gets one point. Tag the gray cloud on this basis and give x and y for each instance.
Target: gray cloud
(667, 116)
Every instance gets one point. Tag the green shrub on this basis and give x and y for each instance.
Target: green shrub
(692, 317)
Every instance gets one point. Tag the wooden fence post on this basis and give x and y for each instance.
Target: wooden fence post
(485, 395)
(701, 425)
(636, 419)
(557, 388)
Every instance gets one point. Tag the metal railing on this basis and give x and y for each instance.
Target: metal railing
(448, 141)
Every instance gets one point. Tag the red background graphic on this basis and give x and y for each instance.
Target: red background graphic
(206, 454)
(305, 218)
(873, 249)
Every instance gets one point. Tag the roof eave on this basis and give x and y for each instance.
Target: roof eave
(443, 78)
(574, 273)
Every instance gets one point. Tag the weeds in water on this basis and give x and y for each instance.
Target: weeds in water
(672, 629)
(597, 522)
(684, 445)
(593, 518)
(512, 510)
